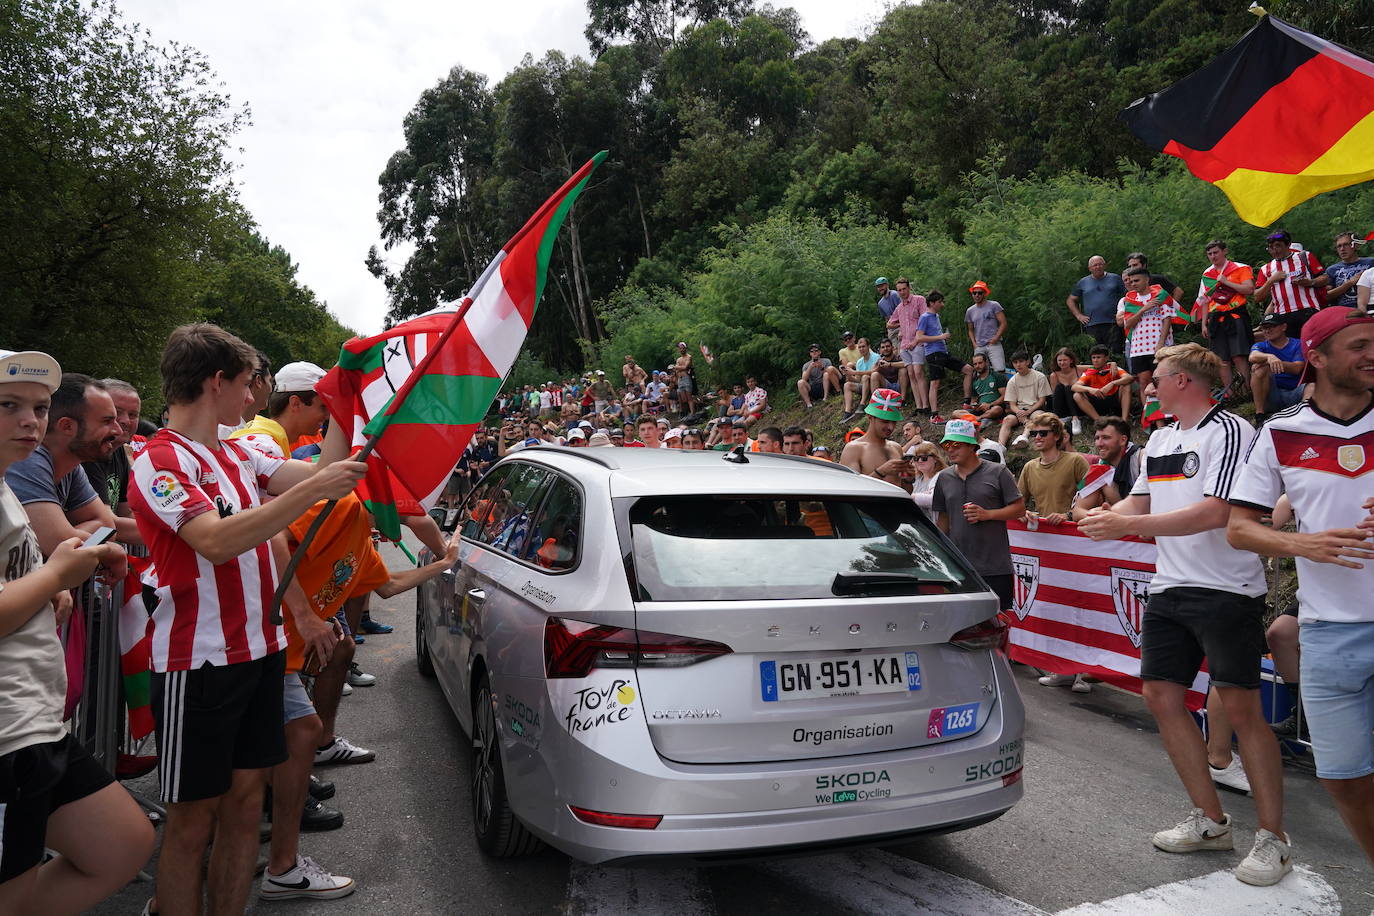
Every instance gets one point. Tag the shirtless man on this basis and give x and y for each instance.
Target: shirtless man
(685, 396)
(633, 372)
(872, 453)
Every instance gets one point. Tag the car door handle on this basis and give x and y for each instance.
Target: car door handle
(477, 594)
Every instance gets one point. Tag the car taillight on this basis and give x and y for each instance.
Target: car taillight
(605, 819)
(993, 633)
(573, 648)
(1013, 777)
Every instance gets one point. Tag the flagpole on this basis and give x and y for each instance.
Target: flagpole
(362, 456)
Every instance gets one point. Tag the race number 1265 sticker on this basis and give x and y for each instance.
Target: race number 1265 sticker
(946, 721)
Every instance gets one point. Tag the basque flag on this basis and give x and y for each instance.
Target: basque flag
(1282, 116)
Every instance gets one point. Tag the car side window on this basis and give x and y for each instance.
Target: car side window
(508, 527)
(479, 506)
(557, 528)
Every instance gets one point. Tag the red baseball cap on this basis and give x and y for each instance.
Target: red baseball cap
(1321, 326)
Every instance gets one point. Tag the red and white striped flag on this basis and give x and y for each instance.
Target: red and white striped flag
(1080, 604)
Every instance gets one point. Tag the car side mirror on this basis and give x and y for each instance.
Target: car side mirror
(445, 518)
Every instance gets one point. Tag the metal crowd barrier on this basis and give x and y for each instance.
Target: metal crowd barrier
(98, 721)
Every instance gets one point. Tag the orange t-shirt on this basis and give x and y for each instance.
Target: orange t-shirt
(340, 563)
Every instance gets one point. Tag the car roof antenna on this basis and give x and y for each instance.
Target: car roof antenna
(736, 455)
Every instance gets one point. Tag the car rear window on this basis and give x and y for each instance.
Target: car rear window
(729, 548)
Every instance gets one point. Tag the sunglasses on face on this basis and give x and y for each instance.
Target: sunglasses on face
(1039, 433)
(925, 457)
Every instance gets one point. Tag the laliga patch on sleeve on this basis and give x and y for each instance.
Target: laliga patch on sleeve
(164, 491)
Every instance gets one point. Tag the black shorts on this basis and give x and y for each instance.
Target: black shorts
(1139, 364)
(34, 782)
(1295, 322)
(817, 390)
(1105, 405)
(1109, 335)
(214, 720)
(1229, 334)
(939, 361)
(1184, 625)
(1002, 587)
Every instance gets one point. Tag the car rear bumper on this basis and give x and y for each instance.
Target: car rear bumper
(739, 811)
(725, 837)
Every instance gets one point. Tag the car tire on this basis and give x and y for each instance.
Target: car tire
(423, 660)
(499, 832)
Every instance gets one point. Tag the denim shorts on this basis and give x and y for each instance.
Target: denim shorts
(1338, 696)
(295, 701)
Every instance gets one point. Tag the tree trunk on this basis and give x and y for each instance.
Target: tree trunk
(648, 252)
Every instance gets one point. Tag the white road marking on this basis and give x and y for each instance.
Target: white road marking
(644, 891)
(882, 883)
(1301, 893)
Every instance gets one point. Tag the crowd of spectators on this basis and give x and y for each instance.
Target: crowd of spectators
(221, 492)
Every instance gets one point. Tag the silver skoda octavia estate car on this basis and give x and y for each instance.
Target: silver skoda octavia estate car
(709, 655)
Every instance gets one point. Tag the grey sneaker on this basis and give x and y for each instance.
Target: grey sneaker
(1232, 776)
(1081, 685)
(1057, 680)
(1269, 860)
(1194, 832)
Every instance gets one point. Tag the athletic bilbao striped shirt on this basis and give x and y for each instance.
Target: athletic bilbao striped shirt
(205, 613)
(1183, 466)
(1326, 466)
(1285, 296)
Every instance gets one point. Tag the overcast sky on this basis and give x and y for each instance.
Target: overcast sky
(329, 83)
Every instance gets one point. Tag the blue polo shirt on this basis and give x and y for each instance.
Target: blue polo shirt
(1099, 297)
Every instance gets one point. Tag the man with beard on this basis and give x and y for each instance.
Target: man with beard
(51, 485)
(110, 478)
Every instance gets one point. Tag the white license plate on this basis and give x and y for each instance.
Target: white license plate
(839, 676)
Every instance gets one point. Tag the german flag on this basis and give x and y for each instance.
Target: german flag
(1280, 117)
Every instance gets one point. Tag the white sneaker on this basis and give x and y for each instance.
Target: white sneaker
(1056, 680)
(1020, 441)
(1194, 832)
(1077, 426)
(1232, 776)
(347, 689)
(1269, 860)
(340, 750)
(1080, 685)
(305, 879)
(357, 677)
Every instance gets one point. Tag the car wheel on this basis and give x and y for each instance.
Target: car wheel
(499, 832)
(423, 660)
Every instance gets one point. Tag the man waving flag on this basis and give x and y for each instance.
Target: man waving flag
(1282, 116)
(423, 386)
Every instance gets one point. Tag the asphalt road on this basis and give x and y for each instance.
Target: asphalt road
(1097, 785)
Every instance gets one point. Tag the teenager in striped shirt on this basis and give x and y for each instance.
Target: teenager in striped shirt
(218, 659)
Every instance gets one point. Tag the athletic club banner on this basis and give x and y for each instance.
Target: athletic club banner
(1079, 604)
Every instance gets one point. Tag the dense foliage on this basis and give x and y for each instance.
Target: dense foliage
(118, 218)
(759, 180)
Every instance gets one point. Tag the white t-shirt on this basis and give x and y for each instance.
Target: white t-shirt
(1025, 390)
(1181, 468)
(1366, 280)
(33, 676)
(1327, 469)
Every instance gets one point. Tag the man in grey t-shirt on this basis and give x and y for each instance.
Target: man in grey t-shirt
(987, 324)
(975, 498)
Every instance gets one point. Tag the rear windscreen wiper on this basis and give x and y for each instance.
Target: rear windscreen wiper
(854, 583)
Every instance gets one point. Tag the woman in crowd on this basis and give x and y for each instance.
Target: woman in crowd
(929, 462)
(1062, 378)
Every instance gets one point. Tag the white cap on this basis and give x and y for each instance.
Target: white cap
(298, 377)
(30, 366)
(586, 425)
(672, 434)
(576, 433)
(601, 372)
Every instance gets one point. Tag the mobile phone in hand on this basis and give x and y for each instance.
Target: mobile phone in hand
(98, 536)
